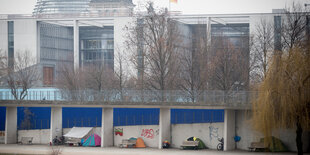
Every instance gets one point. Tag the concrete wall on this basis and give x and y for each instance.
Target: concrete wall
(248, 134)
(39, 136)
(56, 123)
(10, 125)
(2, 133)
(149, 134)
(207, 132)
(42, 136)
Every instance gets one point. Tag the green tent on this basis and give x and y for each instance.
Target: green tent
(275, 145)
(201, 144)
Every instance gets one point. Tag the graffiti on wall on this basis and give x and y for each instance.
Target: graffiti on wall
(119, 131)
(149, 133)
(213, 132)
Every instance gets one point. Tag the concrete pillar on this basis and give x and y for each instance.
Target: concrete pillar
(164, 126)
(76, 45)
(229, 130)
(107, 136)
(56, 123)
(10, 125)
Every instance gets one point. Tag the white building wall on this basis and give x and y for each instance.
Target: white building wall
(248, 134)
(39, 136)
(149, 134)
(3, 38)
(25, 38)
(119, 42)
(207, 132)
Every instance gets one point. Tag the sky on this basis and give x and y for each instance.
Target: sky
(185, 6)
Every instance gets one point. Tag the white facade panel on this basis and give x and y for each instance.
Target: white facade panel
(119, 42)
(3, 38)
(25, 38)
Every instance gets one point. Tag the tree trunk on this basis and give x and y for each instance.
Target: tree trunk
(299, 138)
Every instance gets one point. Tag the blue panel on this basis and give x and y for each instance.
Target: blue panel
(2, 118)
(81, 117)
(33, 118)
(187, 116)
(135, 116)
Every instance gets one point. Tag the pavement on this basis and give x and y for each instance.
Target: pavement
(72, 150)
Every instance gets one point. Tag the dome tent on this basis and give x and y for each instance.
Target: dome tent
(93, 140)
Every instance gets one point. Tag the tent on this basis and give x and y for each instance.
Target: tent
(201, 144)
(275, 144)
(140, 143)
(78, 132)
(75, 135)
(93, 140)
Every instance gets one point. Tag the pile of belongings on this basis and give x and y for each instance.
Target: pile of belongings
(201, 144)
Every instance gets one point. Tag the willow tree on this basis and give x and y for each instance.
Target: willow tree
(284, 96)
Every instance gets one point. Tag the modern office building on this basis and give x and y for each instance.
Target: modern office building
(81, 32)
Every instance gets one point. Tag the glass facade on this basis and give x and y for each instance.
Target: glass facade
(225, 41)
(277, 33)
(56, 49)
(235, 33)
(11, 43)
(97, 46)
(56, 42)
(80, 7)
(61, 6)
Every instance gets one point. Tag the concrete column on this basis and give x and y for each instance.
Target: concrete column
(229, 130)
(164, 126)
(56, 123)
(76, 45)
(10, 125)
(107, 136)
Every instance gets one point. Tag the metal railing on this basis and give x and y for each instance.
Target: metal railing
(150, 96)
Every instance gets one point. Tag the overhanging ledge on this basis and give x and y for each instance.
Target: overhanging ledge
(175, 105)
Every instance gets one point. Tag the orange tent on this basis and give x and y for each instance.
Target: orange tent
(140, 143)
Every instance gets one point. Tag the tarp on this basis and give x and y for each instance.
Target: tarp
(275, 145)
(140, 143)
(93, 140)
(78, 132)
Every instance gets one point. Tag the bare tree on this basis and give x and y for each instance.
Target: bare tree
(71, 82)
(28, 118)
(3, 64)
(228, 66)
(261, 50)
(194, 66)
(23, 75)
(157, 37)
(99, 77)
(121, 75)
(293, 27)
(91, 82)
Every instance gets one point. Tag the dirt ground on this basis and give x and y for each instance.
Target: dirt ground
(66, 150)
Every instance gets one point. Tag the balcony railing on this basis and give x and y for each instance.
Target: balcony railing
(147, 96)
